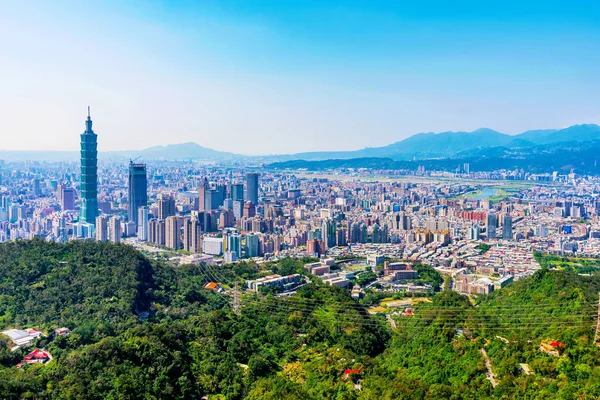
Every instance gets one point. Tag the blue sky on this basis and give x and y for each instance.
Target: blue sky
(263, 77)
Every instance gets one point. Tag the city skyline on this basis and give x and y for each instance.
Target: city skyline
(330, 76)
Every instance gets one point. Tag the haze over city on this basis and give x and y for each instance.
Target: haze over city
(271, 78)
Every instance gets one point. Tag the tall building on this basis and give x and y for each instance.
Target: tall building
(236, 192)
(192, 235)
(101, 228)
(138, 190)
(252, 245)
(249, 210)
(115, 231)
(166, 207)
(67, 198)
(173, 232)
(507, 227)
(329, 233)
(202, 193)
(492, 223)
(142, 227)
(36, 187)
(89, 173)
(156, 231)
(252, 187)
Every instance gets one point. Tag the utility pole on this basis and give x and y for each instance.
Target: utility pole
(236, 300)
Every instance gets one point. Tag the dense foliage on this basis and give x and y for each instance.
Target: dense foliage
(193, 344)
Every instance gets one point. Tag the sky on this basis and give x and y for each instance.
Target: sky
(273, 76)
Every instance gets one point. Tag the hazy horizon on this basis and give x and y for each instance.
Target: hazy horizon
(272, 78)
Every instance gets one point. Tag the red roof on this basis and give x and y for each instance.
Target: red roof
(37, 355)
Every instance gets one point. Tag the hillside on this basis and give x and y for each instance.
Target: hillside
(294, 348)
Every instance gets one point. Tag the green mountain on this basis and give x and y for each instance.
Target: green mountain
(317, 344)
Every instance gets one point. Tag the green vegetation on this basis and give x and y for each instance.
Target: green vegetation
(581, 265)
(483, 247)
(297, 347)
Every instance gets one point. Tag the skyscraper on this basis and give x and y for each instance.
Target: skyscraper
(492, 223)
(166, 207)
(138, 190)
(192, 235)
(89, 173)
(202, 193)
(252, 187)
(67, 198)
(142, 229)
(507, 227)
(236, 192)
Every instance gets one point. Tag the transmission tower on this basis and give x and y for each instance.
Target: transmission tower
(236, 299)
(597, 322)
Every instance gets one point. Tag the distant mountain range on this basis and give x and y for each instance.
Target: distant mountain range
(452, 144)
(182, 151)
(422, 146)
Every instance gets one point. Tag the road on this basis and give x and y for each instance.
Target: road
(490, 375)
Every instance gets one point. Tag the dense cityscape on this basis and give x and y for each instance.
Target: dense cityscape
(220, 213)
(301, 200)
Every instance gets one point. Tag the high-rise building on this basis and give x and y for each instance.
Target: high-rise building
(173, 232)
(156, 231)
(249, 210)
(142, 227)
(236, 192)
(166, 207)
(101, 228)
(67, 198)
(192, 235)
(507, 227)
(36, 187)
(234, 243)
(252, 187)
(492, 223)
(115, 231)
(89, 173)
(202, 193)
(138, 190)
(328, 233)
(252, 245)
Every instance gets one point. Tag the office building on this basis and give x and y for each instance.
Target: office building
(212, 246)
(328, 233)
(507, 227)
(138, 190)
(89, 173)
(67, 198)
(249, 209)
(202, 192)
(166, 207)
(236, 192)
(492, 223)
(252, 245)
(252, 187)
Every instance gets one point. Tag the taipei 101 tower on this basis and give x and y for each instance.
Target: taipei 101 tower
(89, 173)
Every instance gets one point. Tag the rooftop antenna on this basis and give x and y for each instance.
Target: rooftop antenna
(88, 111)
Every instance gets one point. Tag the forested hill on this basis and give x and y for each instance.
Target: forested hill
(300, 347)
(52, 285)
